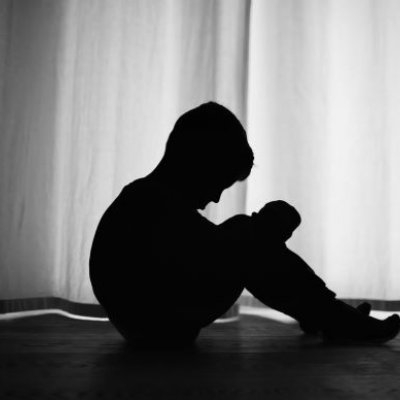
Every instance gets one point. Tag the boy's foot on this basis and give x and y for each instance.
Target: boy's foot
(347, 325)
(311, 328)
(365, 308)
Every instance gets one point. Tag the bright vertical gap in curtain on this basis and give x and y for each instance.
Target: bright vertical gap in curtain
(323, 89)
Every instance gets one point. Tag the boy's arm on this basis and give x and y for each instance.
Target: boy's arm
(276, 221)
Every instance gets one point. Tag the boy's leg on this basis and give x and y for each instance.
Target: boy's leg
(282, 280)
(288, 284)
(270, 271)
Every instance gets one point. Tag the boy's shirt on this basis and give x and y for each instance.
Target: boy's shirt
(150, 241)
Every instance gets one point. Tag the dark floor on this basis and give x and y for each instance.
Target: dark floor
(52, 357)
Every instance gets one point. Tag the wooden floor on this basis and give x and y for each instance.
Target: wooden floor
(52, 357)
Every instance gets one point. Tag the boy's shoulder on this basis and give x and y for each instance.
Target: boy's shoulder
(146, 198)
(146, 192)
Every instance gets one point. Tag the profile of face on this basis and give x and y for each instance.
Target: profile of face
(210, 190)
(207, 152)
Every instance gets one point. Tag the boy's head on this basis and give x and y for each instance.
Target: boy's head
(208, 147)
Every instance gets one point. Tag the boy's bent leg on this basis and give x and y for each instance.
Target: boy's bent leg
(274, 274)
(283, 280)
(289, 285)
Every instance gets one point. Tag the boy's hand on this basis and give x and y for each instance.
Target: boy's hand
(277, 219)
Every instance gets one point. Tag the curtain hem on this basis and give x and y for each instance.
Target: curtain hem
(97, 311)
(43, 303)
(81, 309)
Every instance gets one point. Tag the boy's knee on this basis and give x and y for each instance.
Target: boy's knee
(278, 218)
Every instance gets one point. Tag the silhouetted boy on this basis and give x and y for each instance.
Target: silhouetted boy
(162, 271)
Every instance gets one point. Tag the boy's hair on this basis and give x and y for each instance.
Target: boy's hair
(211, 139)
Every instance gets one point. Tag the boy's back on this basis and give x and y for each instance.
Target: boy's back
(153, 253)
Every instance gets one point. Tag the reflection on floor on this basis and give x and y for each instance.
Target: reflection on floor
(278, 316)
(55, 357)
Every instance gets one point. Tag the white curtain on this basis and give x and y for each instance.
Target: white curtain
(324, 121)
(89, 91)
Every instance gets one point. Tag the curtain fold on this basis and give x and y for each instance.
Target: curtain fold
(89, 91)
